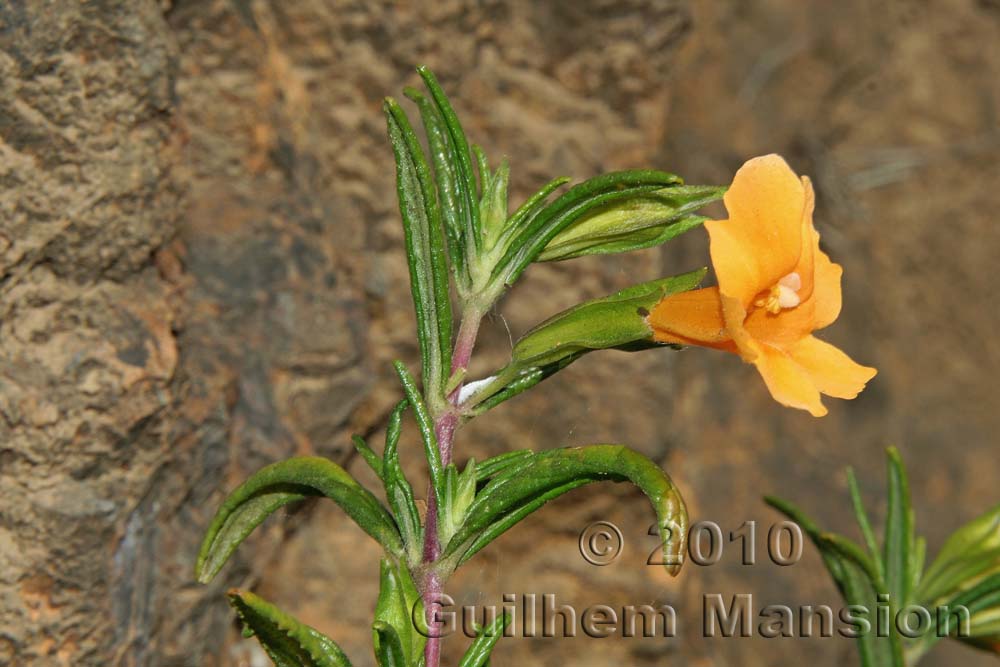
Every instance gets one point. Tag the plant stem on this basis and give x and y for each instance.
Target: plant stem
(444, 430)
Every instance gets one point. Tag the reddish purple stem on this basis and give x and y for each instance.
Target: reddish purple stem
(444, 430)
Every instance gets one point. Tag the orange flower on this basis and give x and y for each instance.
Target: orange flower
(775, 288)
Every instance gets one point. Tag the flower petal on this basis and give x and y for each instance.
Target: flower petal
(826, 296)
(810, 243)
(761, 242)
(789, 383)
(690, 318)
(820, 310)
(833, 372)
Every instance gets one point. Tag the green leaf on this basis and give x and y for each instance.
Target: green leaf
(576, 203)
(501, 389)
(425, 250)
(612, 321)
(527, 212)
(478, 654)
(398, 605)
(446, 176)
(370, 457)
(854, 574)
(865, 525)
(398, 491)
(288, 642)
(969, 554)
(285, 482)
(459, 492)
(982, 601)
(389, 650)
(465, 183)
(526, 486)
(493, 207)
(497, 464)
(426, 426)
(633, 224)
(899, 539)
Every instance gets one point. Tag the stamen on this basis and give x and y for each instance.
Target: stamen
(784, 295)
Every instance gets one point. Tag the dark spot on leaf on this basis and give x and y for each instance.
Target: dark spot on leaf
(642, 312)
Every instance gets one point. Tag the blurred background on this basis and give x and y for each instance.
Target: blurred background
(202, 272)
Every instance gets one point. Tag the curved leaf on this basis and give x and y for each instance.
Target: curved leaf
(279, 484)
(397, 488)
(369, 456)
(527, 485)
(288, 642)
(478, 655)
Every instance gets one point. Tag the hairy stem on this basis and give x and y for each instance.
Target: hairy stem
(444, 429)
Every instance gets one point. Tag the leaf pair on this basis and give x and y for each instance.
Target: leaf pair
(286, 482)
(518, 483)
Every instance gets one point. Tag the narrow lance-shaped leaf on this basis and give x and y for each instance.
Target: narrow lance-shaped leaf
(288, 642)
(446, 175)
(285, 482)
(493, 207)
(497, 464)
(898, 534)
(971, 615)
(425, 250)
(865, 525)
(459, 492)
(855, 576)
(970, 553)
(527, 212)
(466, 182)
(493, 395)
(426, 426)
(397, 488)
(369, 456)
(570, 207)
(641, 222)
(478, 654)
(524, 487)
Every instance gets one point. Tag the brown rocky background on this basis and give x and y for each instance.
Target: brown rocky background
(201, 272)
